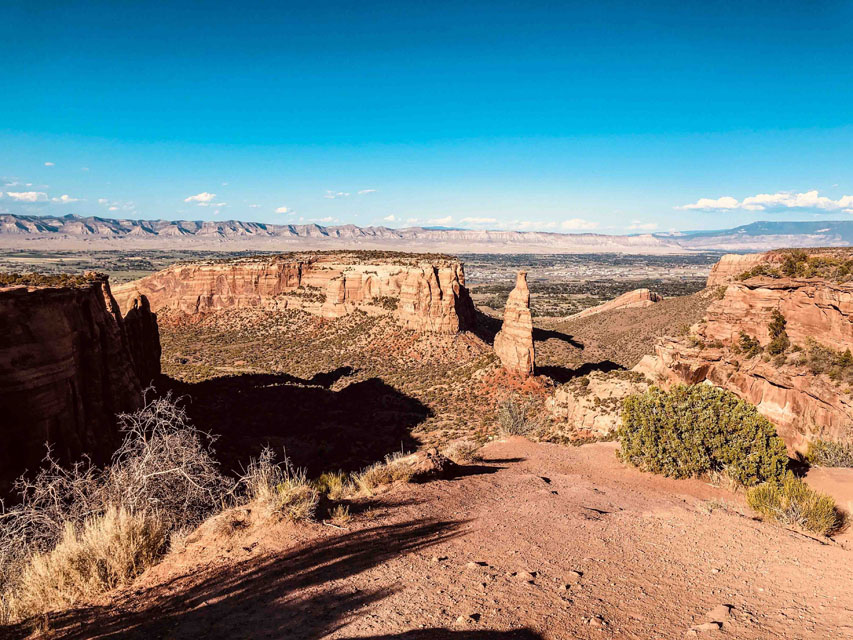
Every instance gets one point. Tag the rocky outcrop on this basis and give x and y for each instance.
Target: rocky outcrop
(426, 292)
(803, 405)
(732, 265)
(591, 406)
(69, 362)
(638, 298)
(514, 342)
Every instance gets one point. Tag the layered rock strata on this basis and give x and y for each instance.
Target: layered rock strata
(426, 293)
(514, 342)
(69, 362)
(638, 298)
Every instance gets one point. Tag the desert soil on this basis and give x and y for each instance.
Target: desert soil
(536, 541)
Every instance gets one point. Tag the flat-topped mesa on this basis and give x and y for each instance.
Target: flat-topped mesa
(785, 384)
(425, 292)
(638, 298)
(69, 362)
(514, 342)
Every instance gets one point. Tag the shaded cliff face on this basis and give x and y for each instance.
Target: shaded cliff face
(69, 362)
(426, 293)
(803, 405)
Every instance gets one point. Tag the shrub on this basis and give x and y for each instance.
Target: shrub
(695, 430)
(395, 468)
(106, 552)
(515, 419)
(792, 502)
(779, 341)
(830, 454)
(748, 345)
(463, 451)
(280, 488)
(334, 484)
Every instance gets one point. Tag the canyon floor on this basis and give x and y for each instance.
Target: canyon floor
(536, 541)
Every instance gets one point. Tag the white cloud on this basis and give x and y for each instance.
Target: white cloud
(220, 204)
(773, 202)
(84, 168)
(283, 210)
(390, 218)
(327, 219)
(113, 208)
(203, 199)
(476, 220)
(364, 192)
(65, 199)
(48, 164)
(103, 201)
(27, 196)
(637, 225)
(334, 195)
(444, 220)
(254, 206)
(576, 224)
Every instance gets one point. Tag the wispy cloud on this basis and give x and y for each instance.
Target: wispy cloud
(325, 220)
(478, 220)
(203, 199)
(390, 218)
(283, 210)
(65, 199)
(637, 225)
(578, 224)
(780, 201)
(364, 192)
(27, 196)
(254, 206)
(444, 220)
(334, 195)
(48, 164)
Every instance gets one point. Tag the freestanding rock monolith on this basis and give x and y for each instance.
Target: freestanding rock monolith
(514, 342)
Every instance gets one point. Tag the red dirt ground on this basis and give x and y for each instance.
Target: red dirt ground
(537, 541)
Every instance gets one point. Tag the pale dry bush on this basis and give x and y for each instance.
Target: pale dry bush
(164, 470)
(107, 551)
(518, 417)
(463, 451)
(279, 488)
(395, 468)
(335, 485)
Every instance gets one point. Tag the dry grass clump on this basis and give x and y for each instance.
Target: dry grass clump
(280, 488)
(335, 485)
(830, 454)
(162, 480)
(464, 451)
(516, 417)
(793, 502)
(340, 515)
(395, 468)
(106, 552)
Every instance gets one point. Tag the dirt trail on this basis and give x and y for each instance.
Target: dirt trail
(538, 541)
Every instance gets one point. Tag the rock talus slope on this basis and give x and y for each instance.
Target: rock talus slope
(514, 342)
(426, 293)
(69, 362)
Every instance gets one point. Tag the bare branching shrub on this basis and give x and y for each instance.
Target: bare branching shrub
(164, 473)
(464, 451)
(517, 417)
(107, 551)
(280, 488)
(167, 464)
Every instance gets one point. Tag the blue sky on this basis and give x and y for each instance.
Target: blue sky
(598, 116)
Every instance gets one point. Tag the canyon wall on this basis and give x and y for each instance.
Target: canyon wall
(69, 362)
(803, 404)
(425, 293)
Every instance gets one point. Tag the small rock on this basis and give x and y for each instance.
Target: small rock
(574, 577)
(720, 613)
(705, 627)
(525, 576)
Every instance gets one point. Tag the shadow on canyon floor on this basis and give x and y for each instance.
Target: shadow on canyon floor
(488, 327)
(293, 594)
(564, 374)
(319, 428)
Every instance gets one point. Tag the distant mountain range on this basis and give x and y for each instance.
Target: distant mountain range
(76, 232)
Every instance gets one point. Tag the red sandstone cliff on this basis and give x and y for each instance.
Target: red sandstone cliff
(426, 293)
(637, 298)
(69, 362)
(804, 405)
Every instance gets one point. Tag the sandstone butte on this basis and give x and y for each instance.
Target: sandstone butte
(804, 406)
(514, 342)
(425, 292)
(637, 298)
(69, 362)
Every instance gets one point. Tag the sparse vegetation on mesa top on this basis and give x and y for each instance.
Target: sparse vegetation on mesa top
(367, 256)
(48, 279)
(834, 264)
(695, 430)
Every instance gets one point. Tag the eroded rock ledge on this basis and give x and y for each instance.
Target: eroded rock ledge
(425, 292)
